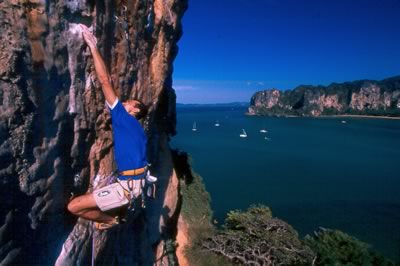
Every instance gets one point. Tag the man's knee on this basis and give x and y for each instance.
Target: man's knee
(83, 203)
(73, 206)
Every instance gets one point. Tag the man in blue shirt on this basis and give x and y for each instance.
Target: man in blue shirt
(129, 148)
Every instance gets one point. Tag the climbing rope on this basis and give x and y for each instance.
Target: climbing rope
(93, 242)
(163, 253)
(110, 180)
(168, 9)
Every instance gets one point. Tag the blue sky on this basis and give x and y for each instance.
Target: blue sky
(232, 48)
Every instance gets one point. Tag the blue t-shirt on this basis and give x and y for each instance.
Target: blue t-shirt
(129, 140)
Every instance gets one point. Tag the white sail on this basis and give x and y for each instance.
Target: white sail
(263, 130)
(244, 134)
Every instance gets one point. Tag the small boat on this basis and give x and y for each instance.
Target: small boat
(244, 134)
(263, 130)
(194, 127)
(343, 122)
(216, 124)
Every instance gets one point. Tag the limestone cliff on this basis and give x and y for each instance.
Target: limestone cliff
(55, 133)
(364, 97)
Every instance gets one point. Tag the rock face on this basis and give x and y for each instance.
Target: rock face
(55, 133)
(363, 97)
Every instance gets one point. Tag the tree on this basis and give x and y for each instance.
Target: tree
(255, 237)
(334, 247)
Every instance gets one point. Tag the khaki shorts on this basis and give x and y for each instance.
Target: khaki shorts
(113, 196)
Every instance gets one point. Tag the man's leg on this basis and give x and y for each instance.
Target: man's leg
(85, 206)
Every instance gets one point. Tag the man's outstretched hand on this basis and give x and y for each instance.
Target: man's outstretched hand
(89, 38)
(101, 70)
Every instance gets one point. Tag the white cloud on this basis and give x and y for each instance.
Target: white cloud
(255, 82)
(184, 88)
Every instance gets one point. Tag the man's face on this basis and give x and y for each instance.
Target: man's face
(130, 107)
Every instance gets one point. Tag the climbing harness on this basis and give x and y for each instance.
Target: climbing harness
(138, 190)
(135, 201)
(134, 172)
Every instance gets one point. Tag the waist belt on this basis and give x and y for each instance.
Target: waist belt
(133, 172)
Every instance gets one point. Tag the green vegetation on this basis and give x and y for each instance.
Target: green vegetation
(196, 212)
(334, 247)
(254, 237)
(195, 199)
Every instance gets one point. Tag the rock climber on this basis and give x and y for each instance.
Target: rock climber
(129, 148)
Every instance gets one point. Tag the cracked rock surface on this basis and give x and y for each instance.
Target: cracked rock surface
(55, 132)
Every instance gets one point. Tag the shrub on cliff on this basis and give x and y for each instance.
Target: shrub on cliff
(255, 237)
(334, 247)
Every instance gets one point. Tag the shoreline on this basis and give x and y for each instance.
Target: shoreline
(362, 116)
(331, 116)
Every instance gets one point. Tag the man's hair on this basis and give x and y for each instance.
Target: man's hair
(143, 110)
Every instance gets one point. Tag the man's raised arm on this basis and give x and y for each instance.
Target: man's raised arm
(101, 70)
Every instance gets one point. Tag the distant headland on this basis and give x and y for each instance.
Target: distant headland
(230, 104)
(361, 98)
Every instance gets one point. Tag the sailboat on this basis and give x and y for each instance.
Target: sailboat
(194, 127)
(244, 134)
(263, 130)
(216, 124)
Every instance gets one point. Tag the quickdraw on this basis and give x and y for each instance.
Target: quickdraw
(122, 21)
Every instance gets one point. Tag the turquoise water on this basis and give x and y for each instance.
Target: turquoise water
(312, 172)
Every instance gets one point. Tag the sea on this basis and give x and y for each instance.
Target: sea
(338, 173)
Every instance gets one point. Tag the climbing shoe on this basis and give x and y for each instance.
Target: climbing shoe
(103, 226)
(106, 226)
